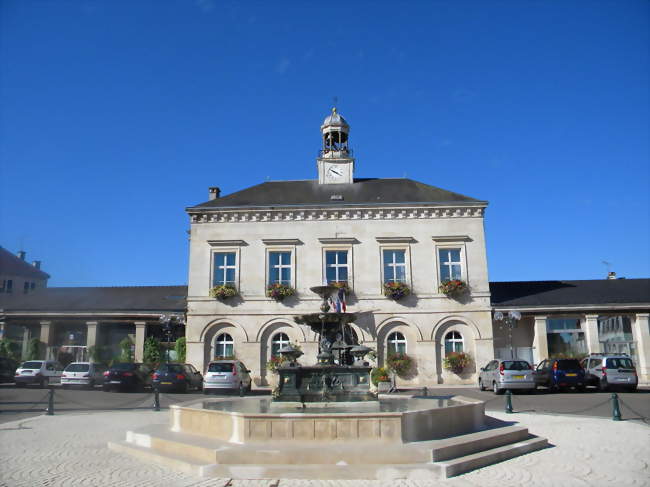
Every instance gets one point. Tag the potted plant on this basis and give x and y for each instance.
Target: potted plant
(279, 291)
(342, 285)
(456, 361)
(223, 292)
(396, 290)
(453, 288)
(380, 379)
(399, 363)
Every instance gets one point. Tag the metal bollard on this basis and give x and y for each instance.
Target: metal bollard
(425, 391)
(50, 402)
(508, 402)
(156, 399)
(616, 410)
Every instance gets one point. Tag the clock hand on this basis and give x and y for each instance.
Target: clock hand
(336, 172)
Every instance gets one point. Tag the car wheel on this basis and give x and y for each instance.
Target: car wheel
(106, 388)
(581, 388)
(206, 391)
(495, 389)
(44, 382)
(242, 389)
(250, 387)
(183, 389)
(480, 385)
(631, 388)
(91, 384)
(602, 385)
(20, 384)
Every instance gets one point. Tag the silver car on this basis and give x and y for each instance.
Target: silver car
(83, 374)
(41, 372)
(610, 370)
(227, 375)
(500, 375)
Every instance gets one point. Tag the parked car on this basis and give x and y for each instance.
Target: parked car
(83, 374)
(7, 369)
(127, 375)
(500, 375)
(557, 374)
(610, 370)
(229, 375)
(41, 372)
(177, 377)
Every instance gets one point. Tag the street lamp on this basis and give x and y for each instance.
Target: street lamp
(167, 321)
(510, 322)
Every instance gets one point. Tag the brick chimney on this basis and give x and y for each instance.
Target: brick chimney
(21, 254)
(37, 264)
(214, 192)
(611, 275)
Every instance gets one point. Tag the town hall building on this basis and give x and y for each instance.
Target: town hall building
(363, 232)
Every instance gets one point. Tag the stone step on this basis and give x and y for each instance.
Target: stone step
(456, 466)
(177, 461)
(463, 445)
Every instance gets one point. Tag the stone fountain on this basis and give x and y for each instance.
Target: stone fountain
(324, 423)
(339, 373)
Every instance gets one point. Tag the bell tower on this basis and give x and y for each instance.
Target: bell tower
(335, 162)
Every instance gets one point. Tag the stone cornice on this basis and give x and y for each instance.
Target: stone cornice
(226, 243)
(211, 215)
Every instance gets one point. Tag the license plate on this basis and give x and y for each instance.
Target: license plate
(166, 383)
(116, 382)
(571, 375)
(26, 372)
(518, 376)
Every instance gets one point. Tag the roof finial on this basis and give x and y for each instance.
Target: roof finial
(336, 102)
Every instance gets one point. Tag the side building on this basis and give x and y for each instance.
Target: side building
(18, 277)
(361, 233)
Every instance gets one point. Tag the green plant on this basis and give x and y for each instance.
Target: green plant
(453, 287)
(8, 349)
(126, 350)
(379, 374)
(400, 363)
(275, 362)
(34, 348)
(396, 290)
(223, 292)
(97, 354)
(342, 285)
(151, 354)
(456, 361)
(279, 291)
(181, 349)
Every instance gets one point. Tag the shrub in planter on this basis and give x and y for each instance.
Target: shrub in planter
(279, 291)
(400, 363)
(275, 362)
(456, 361)
(223, 292)
(34, 348)
(379, 374)
(126, 347)
(181, 349)
(342, 285)
(396, 290)
(453, 288)
(152, 354)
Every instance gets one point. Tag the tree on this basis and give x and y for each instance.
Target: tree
(7, 349)
(33, 349)
(181, 349)
(126, 347)
(152, 351)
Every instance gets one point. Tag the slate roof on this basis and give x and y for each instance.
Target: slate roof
(370, 191)
(136, 298)
(570, 293)
(12, 265)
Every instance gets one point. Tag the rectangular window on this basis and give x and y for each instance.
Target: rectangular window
(394, 265)
(451, 266)
(10, 286)
(280, 268)
(225, 269)
(336, 266)
(25, 287)
(565, 337)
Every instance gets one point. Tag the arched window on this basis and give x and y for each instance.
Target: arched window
(224, 346)
(396, 343)
(279, 341)
(453, 342)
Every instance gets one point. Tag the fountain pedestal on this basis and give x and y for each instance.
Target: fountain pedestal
(324, 383)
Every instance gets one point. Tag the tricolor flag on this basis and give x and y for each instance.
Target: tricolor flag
(341, 305)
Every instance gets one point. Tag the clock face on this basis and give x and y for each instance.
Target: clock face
(335, 172)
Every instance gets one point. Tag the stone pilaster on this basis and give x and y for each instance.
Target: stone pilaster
(540, 343)
(140, 329)
(591, 333)
(91, 333)
(641, 333)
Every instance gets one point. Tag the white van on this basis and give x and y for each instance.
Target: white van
(41, 372)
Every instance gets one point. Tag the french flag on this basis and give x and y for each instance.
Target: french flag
(341, 305)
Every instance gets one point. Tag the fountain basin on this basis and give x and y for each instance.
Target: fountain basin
(395, 420)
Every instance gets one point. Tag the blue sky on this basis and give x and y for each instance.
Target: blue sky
(117, 115)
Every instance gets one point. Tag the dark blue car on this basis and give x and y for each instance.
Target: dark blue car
(177, 377)
(558, 374)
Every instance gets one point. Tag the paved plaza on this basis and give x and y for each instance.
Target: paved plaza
(70, 449)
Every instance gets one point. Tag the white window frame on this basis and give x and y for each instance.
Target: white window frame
(283, 343)
(407, 263)
(396, 341)
(225, 342)
(213, 265)
(453, 341)
(223, 246)
(279, 246)
(451, 243)
(349, 265)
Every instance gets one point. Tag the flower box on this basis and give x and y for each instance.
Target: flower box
(453, 288)
(456, 361)
(396, 290)
(223, 292)
(279, 291)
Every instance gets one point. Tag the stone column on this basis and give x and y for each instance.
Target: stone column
(540, 344)
(91, 333)
(140, 329)
(591, 333)
(641, 334)
(2, 330)
(46, 338)
(195, 355)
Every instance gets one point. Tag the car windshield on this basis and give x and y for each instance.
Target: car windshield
(568, 364)
(31, 365)
(77, 368)
(516, 365)
(619, 363)
(123, 366)
(221, 367)
(174, 368)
